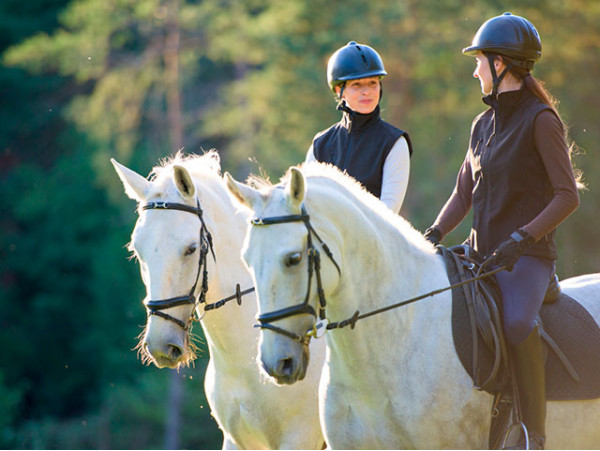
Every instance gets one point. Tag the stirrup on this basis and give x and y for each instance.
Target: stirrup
(533, 439)
(523, 428)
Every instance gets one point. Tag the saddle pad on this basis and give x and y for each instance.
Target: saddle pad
(576, 333)
(566, 321)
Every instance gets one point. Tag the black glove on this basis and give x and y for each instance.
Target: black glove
(509, 252)
(433, 235)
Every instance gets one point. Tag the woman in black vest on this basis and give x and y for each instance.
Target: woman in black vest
(517, 177)
(369, 149)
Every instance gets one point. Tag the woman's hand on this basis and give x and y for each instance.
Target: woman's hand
(509, 252)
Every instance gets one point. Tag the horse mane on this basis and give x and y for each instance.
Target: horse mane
(206, 165)
(330, 172)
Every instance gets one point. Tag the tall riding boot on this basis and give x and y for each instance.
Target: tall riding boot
(528, 360)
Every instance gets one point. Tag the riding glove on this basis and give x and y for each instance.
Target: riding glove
(433, 235)
(509, 252)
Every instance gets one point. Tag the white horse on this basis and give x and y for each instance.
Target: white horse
(394, 381)
(167, 241)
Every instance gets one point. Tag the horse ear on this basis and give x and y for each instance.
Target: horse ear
(296, 188)
(244, 194)
(184, 181)
(136, 186)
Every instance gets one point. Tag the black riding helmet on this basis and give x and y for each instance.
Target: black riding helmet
(351, 62)
(509, 35)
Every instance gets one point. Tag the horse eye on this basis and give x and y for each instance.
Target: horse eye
(190, 250)
(293, 259)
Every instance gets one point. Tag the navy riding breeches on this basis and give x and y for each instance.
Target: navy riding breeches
(523, 290)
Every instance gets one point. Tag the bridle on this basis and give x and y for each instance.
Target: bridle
(314, 267)
(156, 307)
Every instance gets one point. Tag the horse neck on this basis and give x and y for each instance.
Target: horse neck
(227, 328)
(384, 259)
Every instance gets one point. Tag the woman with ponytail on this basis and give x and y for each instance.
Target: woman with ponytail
(518, 179)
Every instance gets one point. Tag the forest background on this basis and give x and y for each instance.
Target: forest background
(86, 80)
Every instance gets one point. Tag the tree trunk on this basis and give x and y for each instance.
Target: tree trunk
(173, 93)
(173, 420)
(173, 100)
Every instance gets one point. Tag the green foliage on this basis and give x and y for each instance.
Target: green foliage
(86, 80)
(132, 416)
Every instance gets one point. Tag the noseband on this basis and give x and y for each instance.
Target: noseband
(156, 307)
(314, 266)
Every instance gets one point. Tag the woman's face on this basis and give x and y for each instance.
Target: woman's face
(482, 71)
(362, 95)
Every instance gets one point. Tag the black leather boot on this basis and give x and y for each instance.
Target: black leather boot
(529, 365)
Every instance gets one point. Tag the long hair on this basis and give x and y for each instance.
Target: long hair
(538, 89)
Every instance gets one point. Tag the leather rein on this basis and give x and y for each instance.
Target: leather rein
(322, 323)
(156, 307)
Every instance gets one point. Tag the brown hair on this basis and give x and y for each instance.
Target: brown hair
(537, 88)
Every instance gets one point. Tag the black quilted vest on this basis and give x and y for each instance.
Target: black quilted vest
(359, 145)
(510, 183)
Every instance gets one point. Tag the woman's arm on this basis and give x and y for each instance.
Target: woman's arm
(552, 147)
(458, 204)
(310, 155)
(396, 171)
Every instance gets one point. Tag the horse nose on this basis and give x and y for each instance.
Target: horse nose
(167, 355)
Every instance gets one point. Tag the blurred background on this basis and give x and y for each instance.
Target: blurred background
(82, 81)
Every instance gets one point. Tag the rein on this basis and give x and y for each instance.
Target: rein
(156, 307)
(322, 323)
(352, 320)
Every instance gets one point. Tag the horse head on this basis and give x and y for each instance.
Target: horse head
(280, 250)
(171, 243)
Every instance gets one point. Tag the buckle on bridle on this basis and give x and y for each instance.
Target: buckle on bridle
(319, 329)
(257, 221)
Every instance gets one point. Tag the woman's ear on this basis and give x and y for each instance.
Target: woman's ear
(498, 63)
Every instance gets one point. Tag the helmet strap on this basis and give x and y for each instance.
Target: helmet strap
(496, 79)
(341, 94)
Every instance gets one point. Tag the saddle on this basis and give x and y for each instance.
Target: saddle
(570, 334)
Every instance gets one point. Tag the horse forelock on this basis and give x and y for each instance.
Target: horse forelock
(206, 166)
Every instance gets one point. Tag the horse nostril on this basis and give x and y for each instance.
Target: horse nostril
(174, 352)
(286, 367)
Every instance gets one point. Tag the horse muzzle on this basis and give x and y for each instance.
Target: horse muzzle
(288, 368)
(169, 351)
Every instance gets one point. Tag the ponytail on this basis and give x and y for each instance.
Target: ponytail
(537, 88)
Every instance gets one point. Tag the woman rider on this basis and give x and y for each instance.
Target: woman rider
(517, 177)
(369, 149)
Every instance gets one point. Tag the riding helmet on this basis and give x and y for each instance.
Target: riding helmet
(508, 35)
(353, 61)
